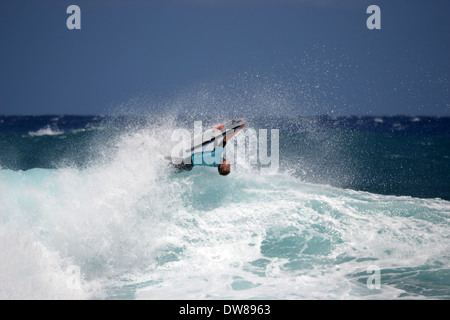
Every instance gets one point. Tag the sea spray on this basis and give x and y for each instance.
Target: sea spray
(119, 223)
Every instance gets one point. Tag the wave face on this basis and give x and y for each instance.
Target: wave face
(356, 211)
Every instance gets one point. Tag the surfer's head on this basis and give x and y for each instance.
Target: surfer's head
(224, 167)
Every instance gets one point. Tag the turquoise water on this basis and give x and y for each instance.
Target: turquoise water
(102, 216)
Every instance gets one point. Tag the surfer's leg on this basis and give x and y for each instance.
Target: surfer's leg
(182, 166)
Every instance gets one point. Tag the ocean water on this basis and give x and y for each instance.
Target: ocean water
(359, 208)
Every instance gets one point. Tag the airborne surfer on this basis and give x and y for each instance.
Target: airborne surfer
(213, 158)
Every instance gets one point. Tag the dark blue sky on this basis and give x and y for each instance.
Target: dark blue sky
(276, 57)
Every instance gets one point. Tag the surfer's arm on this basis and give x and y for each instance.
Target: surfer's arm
(220, 144)
(228, 137)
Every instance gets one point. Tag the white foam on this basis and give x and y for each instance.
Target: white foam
(28, 270)
(91, 217)
(46, 131)
(359, 226)
(198, 235)
(378, 120)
